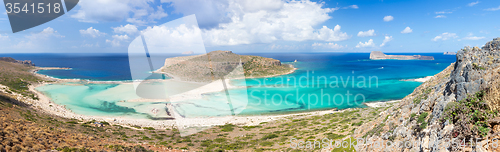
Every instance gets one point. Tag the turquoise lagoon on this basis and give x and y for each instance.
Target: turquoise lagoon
(322, 81)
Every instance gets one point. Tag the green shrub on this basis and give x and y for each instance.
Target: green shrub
(269, 136)
(227, 128)
(472, 111)
(148, 128)
(267, 143)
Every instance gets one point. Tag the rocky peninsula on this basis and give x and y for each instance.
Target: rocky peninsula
(222, 64)
(378, 55)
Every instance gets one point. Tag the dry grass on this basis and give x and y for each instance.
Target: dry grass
(492, 96)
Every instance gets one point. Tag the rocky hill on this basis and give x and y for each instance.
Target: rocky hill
(12, 60)
(218, 64)
(378, 55)
(460, 102)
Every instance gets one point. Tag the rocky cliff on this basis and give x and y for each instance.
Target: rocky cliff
(12, 60)
(460, 102)
(218, 64)
(378, 55)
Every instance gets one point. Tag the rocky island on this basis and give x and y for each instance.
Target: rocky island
(378, 55)
(449, 53)
(218, 64)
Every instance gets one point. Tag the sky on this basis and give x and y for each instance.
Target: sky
(265, 26)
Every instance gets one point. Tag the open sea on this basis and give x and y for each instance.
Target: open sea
(322, 81)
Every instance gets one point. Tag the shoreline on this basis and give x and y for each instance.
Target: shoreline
(424, 79)
(377, 104)
(46, 105)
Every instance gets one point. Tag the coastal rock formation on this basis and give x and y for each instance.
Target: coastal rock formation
(218, 64)
(378, 55)
(12, 60)
(440, 109)
(449, 53)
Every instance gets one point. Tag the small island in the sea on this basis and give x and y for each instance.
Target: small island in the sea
(217, 64)
(378, 55)
(450, 53)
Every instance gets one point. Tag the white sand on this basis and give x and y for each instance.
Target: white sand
(427, 78)
(381, 103)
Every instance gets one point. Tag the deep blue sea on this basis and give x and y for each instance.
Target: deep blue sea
(322, 81)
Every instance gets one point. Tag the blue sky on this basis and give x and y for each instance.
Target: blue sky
(108, 26)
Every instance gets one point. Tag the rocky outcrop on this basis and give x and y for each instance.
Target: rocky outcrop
(450, 53)
(420, 117)
(378, 55)
(12, 60)
(219, 64)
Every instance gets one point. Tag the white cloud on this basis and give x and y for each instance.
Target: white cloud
(4, 37)
(120, 37)
(160, 35)
(90, 45)
(24, 45)
(129, 29)
(38, 40)
(159, 14)
(366, 44)
(473, 3)
(445, 36)
(136, 11)
(117, 39)
(387, 39)
(493, 9)
(443, 12)
(388, 18)
(407, 30)
(473, 38)
(351, 6)
(330, 45)
(327, 34)
(45, 34)
(367, 33)
(289, 21)
(440, 16)
(136, 21)
(92, 32)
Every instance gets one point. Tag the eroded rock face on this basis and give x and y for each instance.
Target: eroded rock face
(9, 59)
(474, 70)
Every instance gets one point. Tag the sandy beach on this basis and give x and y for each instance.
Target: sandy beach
(381, 103)
(425, 79)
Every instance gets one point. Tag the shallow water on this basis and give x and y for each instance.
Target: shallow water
(322, 81)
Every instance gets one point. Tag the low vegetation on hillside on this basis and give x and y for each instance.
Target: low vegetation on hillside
(256, 66)
(17, 77)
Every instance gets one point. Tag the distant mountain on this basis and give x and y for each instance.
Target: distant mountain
(378, 55)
